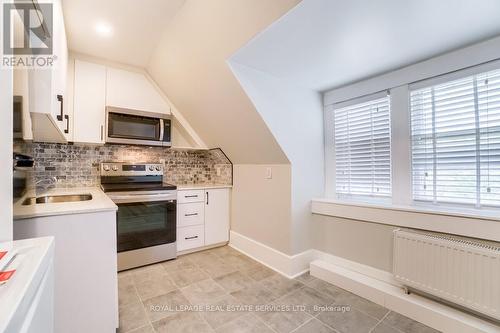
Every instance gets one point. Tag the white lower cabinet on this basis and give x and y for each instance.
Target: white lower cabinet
(202, 217)
(190, 196)
(191, 214)
(86, 289)
(190, 237)
(216, 216)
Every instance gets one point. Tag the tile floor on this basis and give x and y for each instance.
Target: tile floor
(221, 290)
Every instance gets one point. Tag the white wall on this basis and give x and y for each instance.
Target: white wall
(6, 93)
(295, 117)
(359, 241)
(449, 62)
(260, 207)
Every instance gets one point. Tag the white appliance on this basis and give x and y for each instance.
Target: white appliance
(27, 298)
(456, 269)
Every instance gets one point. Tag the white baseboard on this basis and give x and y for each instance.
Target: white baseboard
(295, 265)
(424, 310)
(289, 266)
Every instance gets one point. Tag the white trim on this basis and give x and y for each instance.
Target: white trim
(293, 266)
(480, 224)
(459, 74)
(361, 99)
(424, 310)
(289, 266)
(400, 146)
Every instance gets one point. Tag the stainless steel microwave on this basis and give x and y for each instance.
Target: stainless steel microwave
(137, 127)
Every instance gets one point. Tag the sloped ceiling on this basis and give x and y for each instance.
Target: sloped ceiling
(322, 44)
(190, 66)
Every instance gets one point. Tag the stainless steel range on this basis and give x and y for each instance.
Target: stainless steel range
(146, 217)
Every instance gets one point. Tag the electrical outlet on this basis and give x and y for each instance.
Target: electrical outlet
(218, 171)
(269, 173)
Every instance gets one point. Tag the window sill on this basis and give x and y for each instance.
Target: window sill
(483, 224)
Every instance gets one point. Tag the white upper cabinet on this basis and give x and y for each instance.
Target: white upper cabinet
(47, 88)
(89, 102)
(132, 90)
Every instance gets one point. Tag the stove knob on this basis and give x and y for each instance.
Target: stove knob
(105, 167)
(151, 168)
(115, 168)
(158, 168)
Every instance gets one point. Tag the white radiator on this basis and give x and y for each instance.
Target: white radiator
(459, 270)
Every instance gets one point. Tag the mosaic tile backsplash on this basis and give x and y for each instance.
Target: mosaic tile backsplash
(77, 165)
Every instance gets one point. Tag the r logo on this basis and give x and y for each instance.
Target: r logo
(27, 29)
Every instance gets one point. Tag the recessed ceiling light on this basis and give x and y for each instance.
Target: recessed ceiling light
(103, 29)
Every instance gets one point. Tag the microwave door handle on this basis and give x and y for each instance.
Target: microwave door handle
(162, 129)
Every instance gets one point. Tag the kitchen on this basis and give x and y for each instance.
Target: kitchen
(179, 167)
(118, 178)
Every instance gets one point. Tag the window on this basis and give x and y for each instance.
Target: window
(455, 140)
(362, 146)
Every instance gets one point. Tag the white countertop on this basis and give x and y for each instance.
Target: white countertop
(33, 257)
(202, 186)
(99, 202)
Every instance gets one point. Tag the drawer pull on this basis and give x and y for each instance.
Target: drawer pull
(191, 196)
(192, 237)
(193, 214)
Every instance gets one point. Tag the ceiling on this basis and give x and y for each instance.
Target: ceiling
(190, 66)
(136, 27)
(329, 43)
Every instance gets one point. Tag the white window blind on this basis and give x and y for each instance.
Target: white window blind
(362, 142)
(455, 128)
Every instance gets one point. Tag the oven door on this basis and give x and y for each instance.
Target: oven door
(134, 127)
(144, 224)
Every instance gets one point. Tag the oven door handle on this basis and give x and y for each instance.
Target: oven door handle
(141, 198)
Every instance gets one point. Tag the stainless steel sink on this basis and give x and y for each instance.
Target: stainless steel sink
(57, 198)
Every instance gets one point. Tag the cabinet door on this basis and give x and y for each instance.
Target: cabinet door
(216, 216)
(89, 102)
(132, 90)
(60, 70)
(47, 86)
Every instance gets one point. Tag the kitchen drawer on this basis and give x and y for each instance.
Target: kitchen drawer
(190, 214)
(190, 237)
(190, 196)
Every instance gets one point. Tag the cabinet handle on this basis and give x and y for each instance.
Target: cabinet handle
(67, 124)
(102, 128)
(193, 214)
(191, 196)
(207, 198)
(60, 99)
(192, 237)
